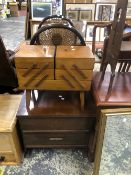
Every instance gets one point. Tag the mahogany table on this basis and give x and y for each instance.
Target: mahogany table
(52, 117)
(55, 120)
(120, 95)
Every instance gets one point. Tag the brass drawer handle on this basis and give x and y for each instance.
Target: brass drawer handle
(2, 158)
(56, 139)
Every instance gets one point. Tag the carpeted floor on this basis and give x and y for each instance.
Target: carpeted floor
(116, 151)
(12, 31)
(52, 162)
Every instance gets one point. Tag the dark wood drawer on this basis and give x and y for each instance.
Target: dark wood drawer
(52, 139)
(57, 123)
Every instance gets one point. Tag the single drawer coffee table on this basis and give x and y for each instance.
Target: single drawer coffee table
(55, 120)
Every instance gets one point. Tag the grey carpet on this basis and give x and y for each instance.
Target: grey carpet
(52, 162)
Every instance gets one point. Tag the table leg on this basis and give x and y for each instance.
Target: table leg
(28, 97)
(82, 99)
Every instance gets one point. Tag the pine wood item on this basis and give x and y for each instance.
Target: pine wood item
(14, 9)
(10, 149)
(35, 66)
(55, 120)
(76, 63)
(38, 67)
(67, 68)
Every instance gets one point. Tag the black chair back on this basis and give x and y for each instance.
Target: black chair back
(57, 34)
(55, 19)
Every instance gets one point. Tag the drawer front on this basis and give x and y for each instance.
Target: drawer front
(56, 85)
(30, 80)
(5, 144)
(79, 74)
(28, 63)
(7, 158)
(82, 123)
(24, 75)
(70, 63)
(55, 139)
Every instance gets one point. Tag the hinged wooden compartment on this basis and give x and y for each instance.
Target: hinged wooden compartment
(35, 66)
(10, 150)
(49, 68)
(74, 67)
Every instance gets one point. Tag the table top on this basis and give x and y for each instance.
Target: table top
(121, 90)
(8, 108)
(74, 52)
(57, 104)
(35, 51)
(38, 51)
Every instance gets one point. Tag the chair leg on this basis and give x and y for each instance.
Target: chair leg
(103, 72)
(111, 82)
(120, 67)
(82, 99)
(124, 67)
(128, 67)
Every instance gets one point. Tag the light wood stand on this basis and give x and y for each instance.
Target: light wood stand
(10, 149)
